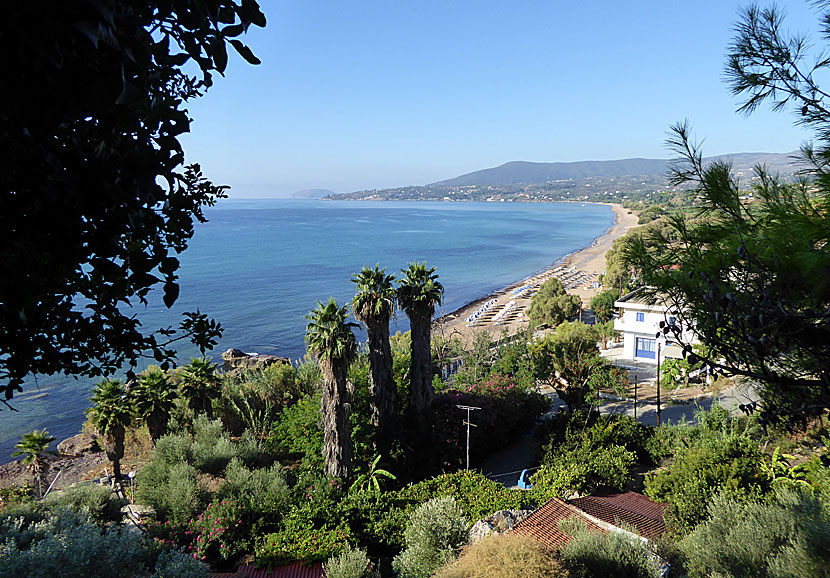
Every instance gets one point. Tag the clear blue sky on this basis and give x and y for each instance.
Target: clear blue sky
(374, 94)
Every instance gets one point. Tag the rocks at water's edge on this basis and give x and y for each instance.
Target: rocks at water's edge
(78, 445)
(237, 361)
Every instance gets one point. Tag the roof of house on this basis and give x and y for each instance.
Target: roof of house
(628, 508)
(295, 570)
(543, 524)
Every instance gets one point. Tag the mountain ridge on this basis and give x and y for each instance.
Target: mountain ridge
(526, 172)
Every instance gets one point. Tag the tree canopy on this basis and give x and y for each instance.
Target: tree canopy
(552, 305)
(752, 276)
(95, 198)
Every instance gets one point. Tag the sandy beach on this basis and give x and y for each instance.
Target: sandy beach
(506, 310)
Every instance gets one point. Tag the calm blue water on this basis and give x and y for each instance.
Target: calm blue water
(259, 266)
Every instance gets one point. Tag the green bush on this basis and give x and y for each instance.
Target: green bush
(66, 544)
(376, 520)
(97, 501)
(349, 563)
(596, 555)
(579, 430)
(698, 472)
(175, 564)
(15, 495)
(299, 542)
(581, 470)
(436, 532)
(788, 537)
(298, 431)
(262, 492)
(475, 495)
(217, 532)
(171, 489)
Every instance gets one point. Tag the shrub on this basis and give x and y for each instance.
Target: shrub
(498, 556)
(65, 543)
(217, 531)
(698, 472)
(298, 431)
(77, 550)
(376, 521)
(263, 491)
(299, 542)
(581, 470)
(15, 495)
(171, 490)
(96, 501)
(598, 555)
(175, 564)
(436, 532)
(473, 493)
(507, 410)
(349, 563)
(787, 537)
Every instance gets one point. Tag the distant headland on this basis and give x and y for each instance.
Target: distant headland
(611, 181)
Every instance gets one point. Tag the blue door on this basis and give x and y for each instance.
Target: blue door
(646, 348)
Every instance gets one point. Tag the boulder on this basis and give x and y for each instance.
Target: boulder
(79, 445)
(237, 361)
(497, 523)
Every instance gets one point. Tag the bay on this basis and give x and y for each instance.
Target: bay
(259, 266)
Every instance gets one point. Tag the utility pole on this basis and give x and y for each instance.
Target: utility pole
(658, 383)
(635, 393)
(469, 409)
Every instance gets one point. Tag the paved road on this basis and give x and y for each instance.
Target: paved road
(506, 466)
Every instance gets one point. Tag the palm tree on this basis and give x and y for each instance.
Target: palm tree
(373, 305)
(33, 445)
(155, 398)
(418, 293)
(200, 385)
(111, 414)
(331, 340)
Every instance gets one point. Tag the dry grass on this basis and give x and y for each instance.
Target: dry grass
(505, 556)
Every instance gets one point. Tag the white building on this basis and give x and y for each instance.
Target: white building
(639, 323)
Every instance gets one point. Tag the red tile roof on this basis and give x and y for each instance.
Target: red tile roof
(295, 570)
(628, 508)
(543, 524)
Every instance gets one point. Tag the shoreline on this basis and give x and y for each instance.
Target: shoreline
(578, 271)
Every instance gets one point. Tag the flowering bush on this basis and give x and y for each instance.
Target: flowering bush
(507, 409)
(300, 543)
(217, 534)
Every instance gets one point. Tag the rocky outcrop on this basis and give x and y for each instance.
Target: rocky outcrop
(497, 523)
(78, 445)
(237, 361)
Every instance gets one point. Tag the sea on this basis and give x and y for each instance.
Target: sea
(259, 266)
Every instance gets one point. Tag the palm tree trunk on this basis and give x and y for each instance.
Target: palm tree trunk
(156, 425)
(38, 471)
(421, 392)
(335, 409)
(114, 446)
(381, 380)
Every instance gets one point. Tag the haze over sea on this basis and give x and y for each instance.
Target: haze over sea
(259, 266)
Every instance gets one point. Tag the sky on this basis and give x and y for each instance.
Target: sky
(377, 94)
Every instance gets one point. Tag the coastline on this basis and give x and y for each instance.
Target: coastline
(578, 270)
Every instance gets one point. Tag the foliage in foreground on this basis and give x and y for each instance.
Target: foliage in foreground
(349, 563)
(436, 532)
(498, 556)
(597, 555)
(720, 454)
(785, 537)
(585, 451)
(64, 543)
